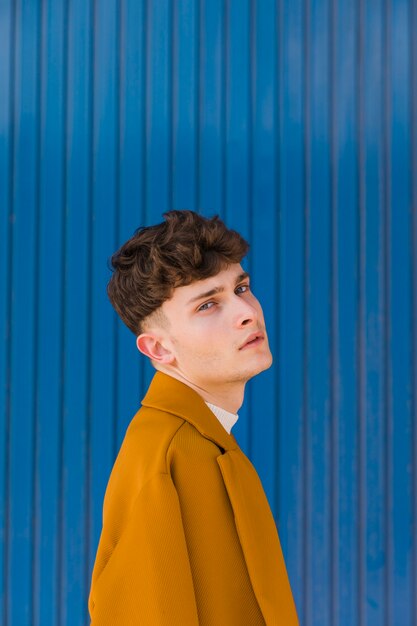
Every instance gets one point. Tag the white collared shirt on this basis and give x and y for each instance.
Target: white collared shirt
(227, 420)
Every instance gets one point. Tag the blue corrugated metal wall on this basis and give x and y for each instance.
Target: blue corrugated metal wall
(297, 122)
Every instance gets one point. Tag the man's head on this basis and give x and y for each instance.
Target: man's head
(183, 249)
(180, 288)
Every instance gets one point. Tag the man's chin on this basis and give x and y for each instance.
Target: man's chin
(266, 365)
(261, 366)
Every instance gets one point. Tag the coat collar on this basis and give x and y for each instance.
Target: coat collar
(172, 396)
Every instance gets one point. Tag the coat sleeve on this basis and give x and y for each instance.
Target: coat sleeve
(146, 579)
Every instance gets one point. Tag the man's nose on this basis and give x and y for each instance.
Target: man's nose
(246, 313)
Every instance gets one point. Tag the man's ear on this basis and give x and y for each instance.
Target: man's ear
(151, 346)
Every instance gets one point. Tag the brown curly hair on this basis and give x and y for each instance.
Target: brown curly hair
(186, 247)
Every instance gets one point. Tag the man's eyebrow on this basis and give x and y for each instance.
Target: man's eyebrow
(242, 276)
(215, 290)
(206, 294)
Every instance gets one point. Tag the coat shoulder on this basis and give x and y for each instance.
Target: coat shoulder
(143, 452)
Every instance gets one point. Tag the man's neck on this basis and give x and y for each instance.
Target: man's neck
(228, 397)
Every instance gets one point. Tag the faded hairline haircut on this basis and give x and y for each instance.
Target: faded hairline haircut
(183, 249)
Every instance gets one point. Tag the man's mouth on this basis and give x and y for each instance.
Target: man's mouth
(253, 340)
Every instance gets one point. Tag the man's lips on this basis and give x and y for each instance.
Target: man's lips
(253, 340)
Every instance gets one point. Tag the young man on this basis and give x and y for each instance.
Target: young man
(188, 537)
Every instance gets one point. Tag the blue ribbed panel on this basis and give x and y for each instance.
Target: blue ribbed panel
(296, 121)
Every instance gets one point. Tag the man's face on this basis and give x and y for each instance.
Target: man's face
(216, 330)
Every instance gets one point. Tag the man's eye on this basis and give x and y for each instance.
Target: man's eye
(205, 306)
(242, 289)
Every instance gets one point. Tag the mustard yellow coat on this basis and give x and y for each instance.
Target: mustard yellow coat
(188, 537)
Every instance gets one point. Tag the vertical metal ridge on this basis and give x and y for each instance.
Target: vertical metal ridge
(9, 291)
(144, 107)
(89, 307)
(306, 323)
(224, 104)
(41, 31)
(413, 289)
(120, 46)
(63, 295)
(334, 391)
(251, 107)
(60, 481)
(172, 19)
(147, 90)
(145, 138)
(277, 171)
(361, 314)
(197, 103)
(386, 276)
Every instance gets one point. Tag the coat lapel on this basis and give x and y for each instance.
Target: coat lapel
(259, 539)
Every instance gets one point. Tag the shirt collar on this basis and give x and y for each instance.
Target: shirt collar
(227, 419)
